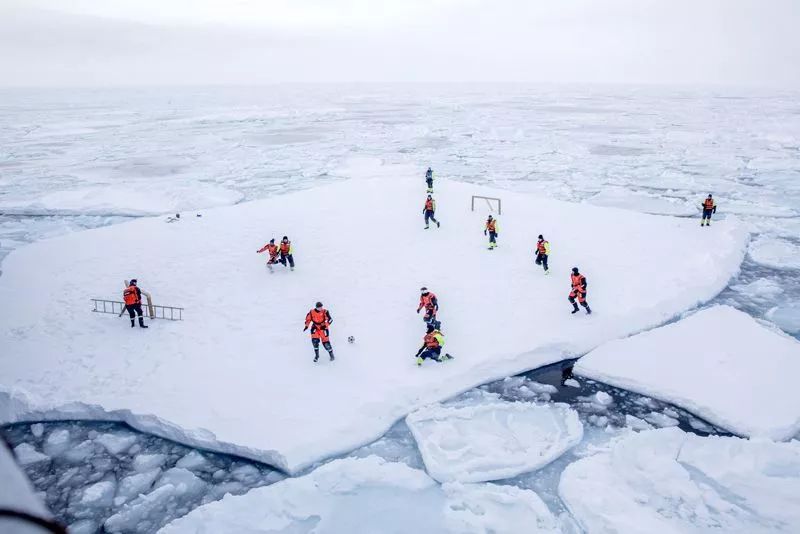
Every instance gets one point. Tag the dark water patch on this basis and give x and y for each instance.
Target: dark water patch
(108, 477)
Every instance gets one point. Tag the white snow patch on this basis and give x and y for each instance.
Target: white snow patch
(737, 354)
(670, 481)
(775, 252)
(571, 382)
(371, 495)
(37, 429)
(268, 364)
(492, 441)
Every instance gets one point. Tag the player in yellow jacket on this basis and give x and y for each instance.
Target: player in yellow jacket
(542, 253)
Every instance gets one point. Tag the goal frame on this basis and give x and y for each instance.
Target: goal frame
(488, 199)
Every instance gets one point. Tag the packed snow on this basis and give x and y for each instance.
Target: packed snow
(704, 363)
(776, 253)
(241, 338)
(372, 495)
(668, 481)
(492, 441)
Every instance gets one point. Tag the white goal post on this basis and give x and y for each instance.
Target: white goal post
(489, 201)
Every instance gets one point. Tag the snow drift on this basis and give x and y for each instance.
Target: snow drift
(719, 363)
(236, 375)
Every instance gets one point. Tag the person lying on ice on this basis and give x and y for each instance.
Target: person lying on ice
(272, 248)
(133, 302)
(578, 291)
(432, 346)
(708, 208)
(428, 210)
(491, 229)
(428, 301)
(320, 320)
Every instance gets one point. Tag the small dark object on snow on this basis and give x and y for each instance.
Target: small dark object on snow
(351, 339)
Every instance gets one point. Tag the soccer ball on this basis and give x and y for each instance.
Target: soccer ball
(351, 339)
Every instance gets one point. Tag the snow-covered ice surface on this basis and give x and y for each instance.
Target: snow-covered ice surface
(95, 475)
(372, 495)
(668, 481)
(494, 440)
(705, 363)
(242, 337)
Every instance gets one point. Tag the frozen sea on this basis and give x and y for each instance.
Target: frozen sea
(76, 159)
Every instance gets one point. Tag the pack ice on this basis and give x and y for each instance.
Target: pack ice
(236, 375)
(494, 440)
(671, 482)
(719, 363)
(371, 495)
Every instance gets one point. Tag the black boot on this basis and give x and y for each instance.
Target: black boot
(574, 308)
(588, 310)
(133, 323)
(332, 358)
(316, 357)
(141, 323)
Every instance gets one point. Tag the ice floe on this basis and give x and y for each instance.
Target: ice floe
(775, 252)
(719, 364)
(372, 495)
(240, 355)
(492, 441)
(668, 481)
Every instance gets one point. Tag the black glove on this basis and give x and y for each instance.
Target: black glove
(714, 210)
(484, 232)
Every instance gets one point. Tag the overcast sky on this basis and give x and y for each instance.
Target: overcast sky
(135, 42)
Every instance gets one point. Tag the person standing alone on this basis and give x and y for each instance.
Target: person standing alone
(133, 303)
(320, 320)
(429, 179)
(542, 252)
(429, 210)
(491, 230)
(708, 208)
(578, 292)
